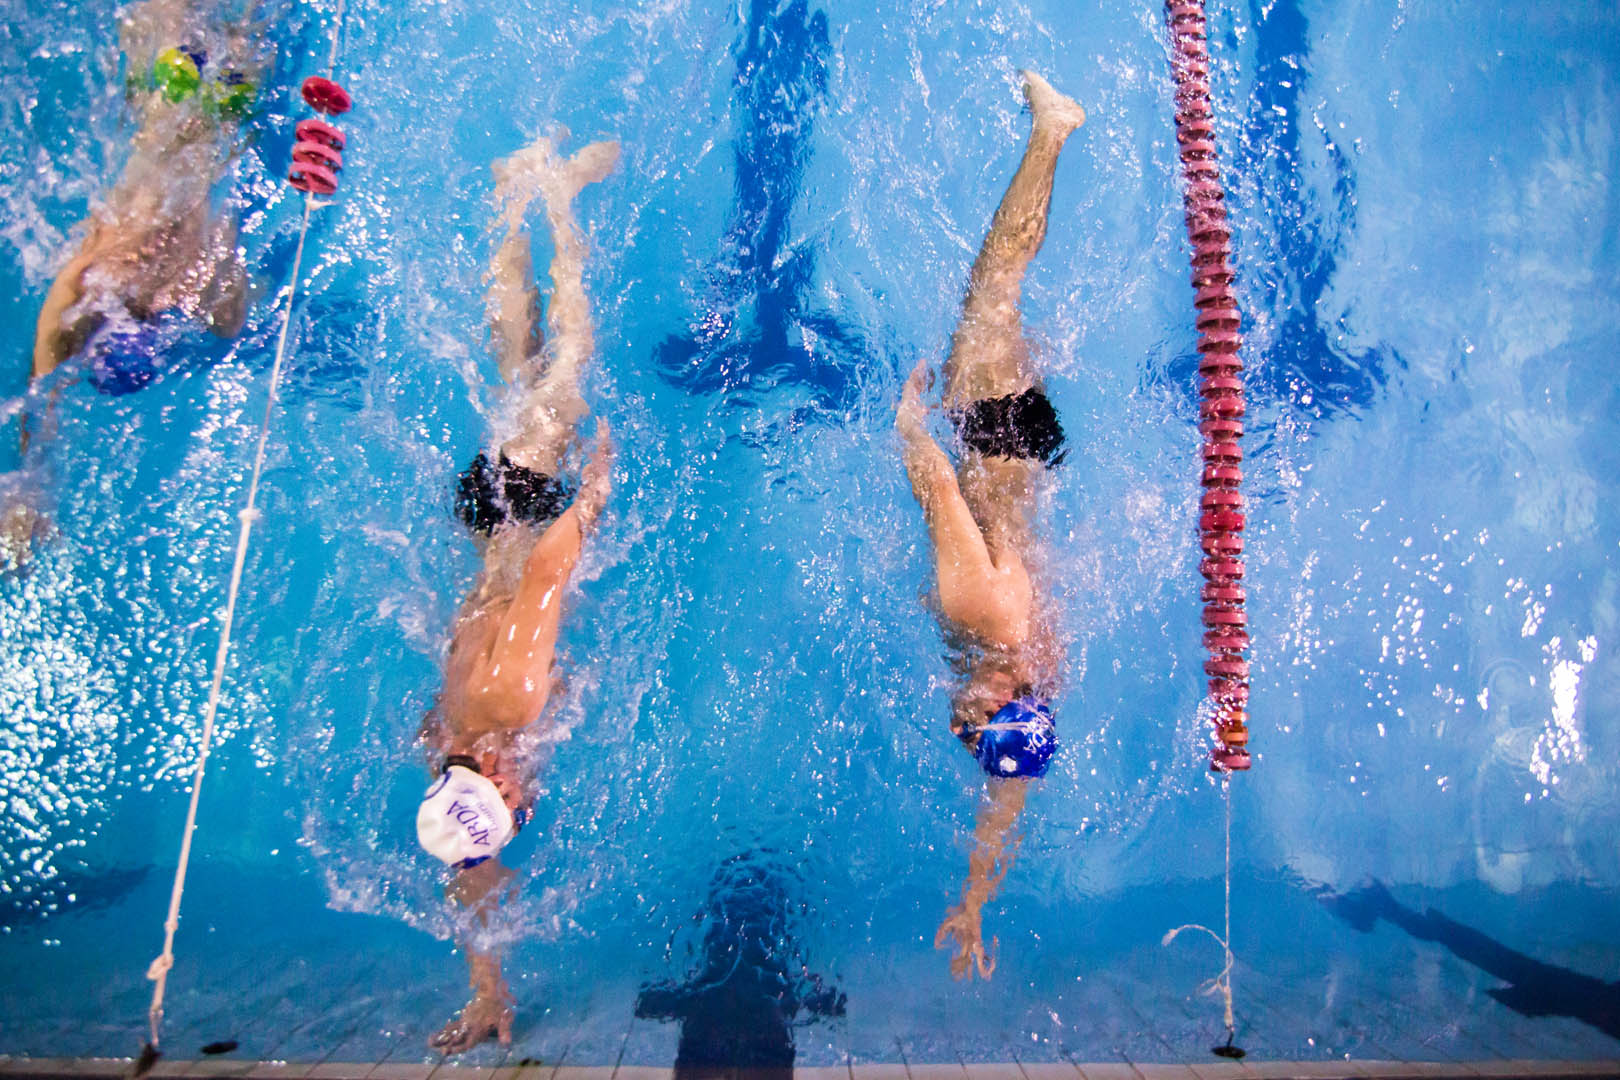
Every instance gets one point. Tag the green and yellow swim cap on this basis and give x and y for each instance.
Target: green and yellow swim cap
(176, 74)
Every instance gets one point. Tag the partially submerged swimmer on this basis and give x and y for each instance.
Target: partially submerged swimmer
(154, 258)
(979, 520)
(533, 522)
(155, 255)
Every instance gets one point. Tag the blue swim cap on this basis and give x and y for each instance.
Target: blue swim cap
(124, 359)
(1019, 740)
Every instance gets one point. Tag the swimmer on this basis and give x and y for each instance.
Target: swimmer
(154, 251)
(154, 256)
(979, 520)
(532, 523)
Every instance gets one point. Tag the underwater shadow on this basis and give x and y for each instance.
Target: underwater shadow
(758, 327)
(740, 1007)
(1306, 353)
(69, 893)
(1535, 989)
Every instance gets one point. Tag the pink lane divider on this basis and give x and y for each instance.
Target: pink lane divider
(1220, 390)
(317, 156)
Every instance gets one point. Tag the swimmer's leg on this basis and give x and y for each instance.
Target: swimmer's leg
(552, 405)
(988, 355)
(512, 302)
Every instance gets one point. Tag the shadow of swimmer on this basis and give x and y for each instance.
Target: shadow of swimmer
(1534, 988)
(761, 326)
(752, 987)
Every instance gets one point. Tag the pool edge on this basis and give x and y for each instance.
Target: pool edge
(26, 1068)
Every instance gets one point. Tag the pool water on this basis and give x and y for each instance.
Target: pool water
(753, 766)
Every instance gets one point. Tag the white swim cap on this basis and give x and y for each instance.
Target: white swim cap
(463, 820)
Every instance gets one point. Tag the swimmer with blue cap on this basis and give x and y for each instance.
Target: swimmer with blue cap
(155, 257)
(155, 244)
(979, 512)
(529, 511)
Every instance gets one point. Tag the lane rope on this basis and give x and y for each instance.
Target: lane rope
(319, 94)
(1220, 389)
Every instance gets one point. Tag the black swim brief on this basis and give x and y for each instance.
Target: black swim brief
(1016, 426)
(488, 495)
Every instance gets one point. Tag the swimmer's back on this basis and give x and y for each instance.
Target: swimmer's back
(498, 676)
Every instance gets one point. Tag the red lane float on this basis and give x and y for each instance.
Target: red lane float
(324, 95)
(317, 156)
(1220, 389)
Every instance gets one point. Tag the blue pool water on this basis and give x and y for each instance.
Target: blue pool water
(1425, 862)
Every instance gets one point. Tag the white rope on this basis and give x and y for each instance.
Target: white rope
(1221, 983)
(1226, 940)
(158, 972)
(337, 36)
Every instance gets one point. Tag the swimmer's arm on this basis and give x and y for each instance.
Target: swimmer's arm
(959, 547)
(50, 336)
(226, 301)
(995, 844)
(478, 890)
(532, 617)
(596, 478)
(960, 553)
(995, 839)
(974, 591)
(531, 621)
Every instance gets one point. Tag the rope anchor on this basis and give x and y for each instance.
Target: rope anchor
(1222, 982)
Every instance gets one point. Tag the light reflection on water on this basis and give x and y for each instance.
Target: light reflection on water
(750, 664)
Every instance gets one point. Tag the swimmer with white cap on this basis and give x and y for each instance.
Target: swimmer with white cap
(530, 518)
(463, 819)
(979, 519)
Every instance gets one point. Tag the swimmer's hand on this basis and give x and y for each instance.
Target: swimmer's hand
(488, 1013)
(23, 527)
(962, 925)
(596, 478)
(911, 413)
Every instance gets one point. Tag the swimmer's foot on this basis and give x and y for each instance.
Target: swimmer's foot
(537, 170)
(518, 178)
(1050, 108)
(591, 165)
